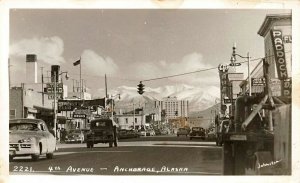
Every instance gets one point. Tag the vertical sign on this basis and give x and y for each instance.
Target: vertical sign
(278, 47)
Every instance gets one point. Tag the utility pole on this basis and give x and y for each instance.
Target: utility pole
(42, 74)
(73, 85)
(249, 75)
(106, 87)
(133, 116)
(55, 116)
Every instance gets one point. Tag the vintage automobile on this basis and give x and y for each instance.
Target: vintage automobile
(197, 132)
(102, 131)
(75, 136)
(182, 131)
(125, 133)
(30, 137)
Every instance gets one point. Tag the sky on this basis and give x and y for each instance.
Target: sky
(131, 45)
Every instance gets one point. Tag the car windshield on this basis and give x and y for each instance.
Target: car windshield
(23, 126)
(101, 124)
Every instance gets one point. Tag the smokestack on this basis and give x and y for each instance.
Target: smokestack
(55, 69)
(31, 68)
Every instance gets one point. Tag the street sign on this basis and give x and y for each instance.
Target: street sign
(258, 81)
(50, 90)
(70, 105)
(81, 116)
(58, 96)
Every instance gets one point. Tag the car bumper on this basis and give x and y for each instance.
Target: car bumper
(100, 139)
(16, 149)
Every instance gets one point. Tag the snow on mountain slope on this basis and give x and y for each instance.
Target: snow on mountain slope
(199, 98)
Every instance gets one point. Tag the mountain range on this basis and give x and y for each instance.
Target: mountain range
(199, 98)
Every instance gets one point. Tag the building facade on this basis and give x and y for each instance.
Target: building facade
(175, 108)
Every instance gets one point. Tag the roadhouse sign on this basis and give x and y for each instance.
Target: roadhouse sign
(279, 54)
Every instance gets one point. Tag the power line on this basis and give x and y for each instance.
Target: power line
(202, 70)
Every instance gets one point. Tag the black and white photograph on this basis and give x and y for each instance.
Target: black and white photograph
(150, 92)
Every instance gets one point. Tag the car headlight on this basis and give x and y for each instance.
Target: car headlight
(30, 139)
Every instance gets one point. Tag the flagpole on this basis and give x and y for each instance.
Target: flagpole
(80, 79)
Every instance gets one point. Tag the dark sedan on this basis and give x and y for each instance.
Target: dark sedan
(197, 132)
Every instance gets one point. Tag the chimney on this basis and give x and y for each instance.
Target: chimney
(55, 69)
(31, 68)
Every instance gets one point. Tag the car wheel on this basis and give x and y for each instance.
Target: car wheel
(49, 155)
(35, 157)
(177, 135)
(191, 138)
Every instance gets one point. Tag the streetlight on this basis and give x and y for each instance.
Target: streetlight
(55, 112)
(233, 59)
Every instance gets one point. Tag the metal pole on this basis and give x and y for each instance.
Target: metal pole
(133, 116)
(55, 117)
(80, 79)
(249, 77)
(42, 86)
(112, 109)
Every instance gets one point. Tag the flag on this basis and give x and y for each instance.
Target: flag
(76, 63)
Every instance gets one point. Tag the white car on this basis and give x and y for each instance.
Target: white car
(30, 137)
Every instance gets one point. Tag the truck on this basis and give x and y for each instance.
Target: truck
(258, 139)
(102, 130)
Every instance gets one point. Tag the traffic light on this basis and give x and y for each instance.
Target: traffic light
(140, 88)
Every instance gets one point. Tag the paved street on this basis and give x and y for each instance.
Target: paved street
(143, 156)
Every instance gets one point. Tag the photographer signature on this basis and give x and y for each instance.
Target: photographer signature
(272, 163)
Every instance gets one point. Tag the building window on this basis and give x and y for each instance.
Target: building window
(135, 120)
(126, 120)
(12, 113)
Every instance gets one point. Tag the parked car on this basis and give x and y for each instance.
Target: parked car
(75, 136)
(150, 132)
(30, 137)
(197, 132)
(133, 133)
(102, 131)
(142, 132)
(182, 131)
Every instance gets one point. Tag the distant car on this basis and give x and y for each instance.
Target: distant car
(157, 132)
(75, 136)
(150, 132)
(102, 131)
(30, 137)
(142, 132)
(124, 133)
(197, 132)
(182, 131)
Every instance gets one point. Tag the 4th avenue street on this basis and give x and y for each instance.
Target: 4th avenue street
(144, 156)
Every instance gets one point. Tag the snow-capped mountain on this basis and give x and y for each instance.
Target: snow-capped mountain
(199, 98)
